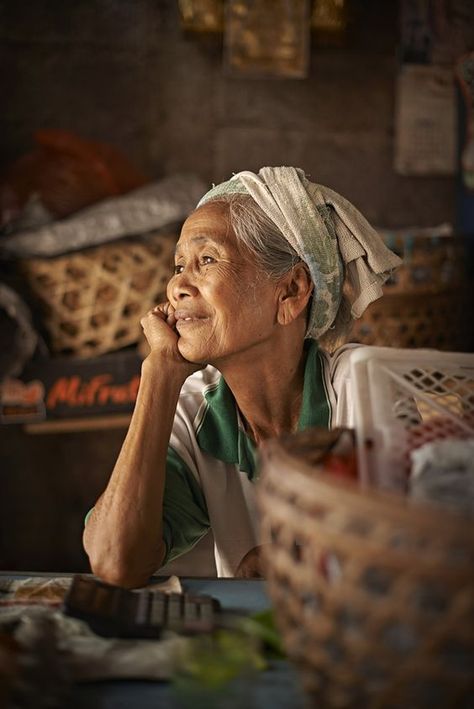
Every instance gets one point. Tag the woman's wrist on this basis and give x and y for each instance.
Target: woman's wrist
(157, 364)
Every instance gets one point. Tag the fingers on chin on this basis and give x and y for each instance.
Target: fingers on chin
(163, 308)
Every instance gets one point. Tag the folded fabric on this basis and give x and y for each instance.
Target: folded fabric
(85, 656)
(50, 641)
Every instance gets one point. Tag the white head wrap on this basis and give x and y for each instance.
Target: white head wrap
(327, 232)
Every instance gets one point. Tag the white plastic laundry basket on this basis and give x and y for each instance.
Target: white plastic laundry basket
(404, 398)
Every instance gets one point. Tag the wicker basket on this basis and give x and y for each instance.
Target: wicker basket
(430, 264)
(425, 301)
(91, 301)
(374, 596)
(435, 320)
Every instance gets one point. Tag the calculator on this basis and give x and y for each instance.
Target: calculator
(113, 611)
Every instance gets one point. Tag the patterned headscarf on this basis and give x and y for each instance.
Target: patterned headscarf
(327, 232)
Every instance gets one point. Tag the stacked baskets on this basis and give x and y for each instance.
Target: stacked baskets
(92, 300)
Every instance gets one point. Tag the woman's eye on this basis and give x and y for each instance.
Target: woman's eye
(207, 259)
(178, 269)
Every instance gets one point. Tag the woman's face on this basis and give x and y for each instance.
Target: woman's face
(224, 305)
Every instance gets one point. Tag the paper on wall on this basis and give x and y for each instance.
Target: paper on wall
(425, 121)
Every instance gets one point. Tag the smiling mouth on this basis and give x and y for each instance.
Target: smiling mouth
(189, 321)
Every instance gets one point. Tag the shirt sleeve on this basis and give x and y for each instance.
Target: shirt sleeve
(185, 515)
(342, 385)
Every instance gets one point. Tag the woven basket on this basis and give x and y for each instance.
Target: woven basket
(92, 301)
(438, 321)
(425, 300)
(430, 264)
(373, 596)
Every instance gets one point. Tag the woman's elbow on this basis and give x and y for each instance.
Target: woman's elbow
(118, 569)
(118, 575)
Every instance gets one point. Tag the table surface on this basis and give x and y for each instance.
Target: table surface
(276, 688)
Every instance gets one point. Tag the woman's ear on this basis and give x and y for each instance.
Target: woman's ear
(295, 291)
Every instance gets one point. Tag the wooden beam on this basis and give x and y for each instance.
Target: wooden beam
(91, 423)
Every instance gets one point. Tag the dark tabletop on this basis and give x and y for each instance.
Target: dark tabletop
(276, 687)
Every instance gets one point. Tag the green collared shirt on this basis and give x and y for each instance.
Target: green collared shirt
(221, 433)
(211, 460)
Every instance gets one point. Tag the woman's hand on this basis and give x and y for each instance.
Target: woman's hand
(159, 328)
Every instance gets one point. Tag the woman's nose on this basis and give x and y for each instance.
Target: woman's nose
(182, 286)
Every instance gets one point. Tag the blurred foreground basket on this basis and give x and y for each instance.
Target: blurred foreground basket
(374, 596)
(92, 300)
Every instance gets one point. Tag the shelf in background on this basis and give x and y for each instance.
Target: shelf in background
(91, 423)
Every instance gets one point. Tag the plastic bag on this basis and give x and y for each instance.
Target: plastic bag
(66, 173)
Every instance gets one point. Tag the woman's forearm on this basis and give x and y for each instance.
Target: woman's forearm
(123, 536)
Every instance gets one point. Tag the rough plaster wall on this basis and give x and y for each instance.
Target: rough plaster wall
(123, 71)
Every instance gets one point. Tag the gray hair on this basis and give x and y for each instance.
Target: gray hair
(259, 235)
(270, 250)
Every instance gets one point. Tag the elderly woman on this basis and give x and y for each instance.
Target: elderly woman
(270, 270)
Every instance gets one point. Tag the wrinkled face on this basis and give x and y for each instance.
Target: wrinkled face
(224, 304)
